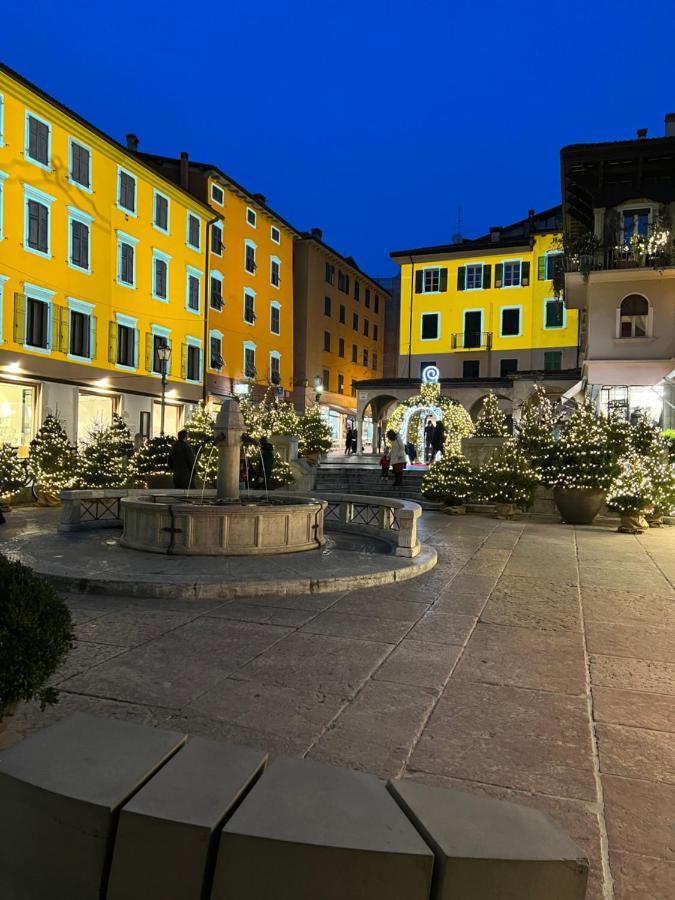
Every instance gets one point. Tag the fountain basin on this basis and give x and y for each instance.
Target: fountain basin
(170, 525)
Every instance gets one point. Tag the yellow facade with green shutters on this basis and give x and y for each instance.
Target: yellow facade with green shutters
(101, 258)
(487, 308)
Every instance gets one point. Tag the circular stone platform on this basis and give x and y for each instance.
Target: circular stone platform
(94, 562)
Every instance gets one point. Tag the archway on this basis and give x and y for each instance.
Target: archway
(409, 418)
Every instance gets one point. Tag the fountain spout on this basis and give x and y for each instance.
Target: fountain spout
(228, 429)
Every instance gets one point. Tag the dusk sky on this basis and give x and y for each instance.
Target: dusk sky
(372, 120)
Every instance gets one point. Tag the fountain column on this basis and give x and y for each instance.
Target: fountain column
(228, 429)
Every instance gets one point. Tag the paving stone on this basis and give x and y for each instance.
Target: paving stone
(312, 603)
(266, 615)
(627, 607)
(543, 586)
(540, 565)
(85, 655)
(641, 877)
(381, 606)
(363, 627)
(421, 663)
(636, 708)
(462, 604)
(614, 639)
(524, 657)
(128, 629)
(529, 611)
(330, 664)
(82, 614)
(230, 733)
(633, 674)
(613, 577)
(473, 584)
(636, 752)
(443, 628)
(523, 739)
(375, 732)
(639, 816)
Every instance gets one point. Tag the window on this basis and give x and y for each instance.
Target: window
(366, 327)
(160, 216)
(216, 350)
(365, 356)
(193, 367)
(3, 178)
(217, 239)
(275, 318)
(17, 402)
(38, 140)
(249, 361)
(367, 298)
(275, 235)
(377, 303)
(355, 353)
(507, 367)
(126, 346)
(2, 135)
(325, 380)
(216, 291)
(431, 281)
(510, 321)
(80, 334)
(126, 191)
(343, 282)
(80, 164)
(548, 266)
(249, 307)
(633, 316)
(275, 272)
(275, 367)
(94, 413)
(326, 341)
(343, 314)
(37, 231)
(471, 368)
(160, 275)
(474, 277)
(37, 323)
(357, 290)
(217, 194)
(375, 331)
(355, 321)
(341, 383)
(194, 231)
(329, 274)
(373, 364)
(552, 360)
(554, 313)
(635, 223)
(251, 217)
(341, 347)
(126, 260)
(193, 289)
(326, 306)
(79, 250)
(473, 328)
(159, 341)
(249, 257)
(430, 323)
(511, 274)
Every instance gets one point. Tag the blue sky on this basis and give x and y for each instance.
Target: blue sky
(372, 120)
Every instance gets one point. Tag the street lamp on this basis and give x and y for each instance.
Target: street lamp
(318, 387)
(164, 353)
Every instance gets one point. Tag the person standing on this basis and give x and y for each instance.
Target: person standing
(429, 429)
(385, 463)
(348, 440)
(266, 463)
(182, 461)
(438, 440)
(355, 440)
(397, 456)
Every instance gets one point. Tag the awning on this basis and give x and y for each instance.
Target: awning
(628, 372)
(573, 391)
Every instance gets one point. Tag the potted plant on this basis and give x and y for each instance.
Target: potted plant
(152, 462)
(584, 464)
(631, 493)
(36, 635)
(507, 480)
(535, 433)
(451, 481)
(662, 473)
(489, 434)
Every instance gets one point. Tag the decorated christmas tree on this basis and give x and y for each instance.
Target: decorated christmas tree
(451, 480)
(51, 459)
(584, 455)
(200, 438)
(12, 472)
(153, 457)
(430, 401)
(507, 478)
(491, 420)
(619, 434)
(535, 433)
(662, 474)
(632, 490)
(105, 460)
(282, 473)
(314, 433)
(645, 437)
(272, 416)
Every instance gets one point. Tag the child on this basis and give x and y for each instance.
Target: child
(385, 462)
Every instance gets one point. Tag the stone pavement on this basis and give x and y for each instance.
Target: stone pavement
(536, 662)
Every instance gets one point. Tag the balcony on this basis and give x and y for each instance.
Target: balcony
(472, 340)
(606, 258)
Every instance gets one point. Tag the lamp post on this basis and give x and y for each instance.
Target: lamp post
(164, 353)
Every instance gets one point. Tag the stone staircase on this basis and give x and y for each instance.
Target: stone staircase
(367, 479)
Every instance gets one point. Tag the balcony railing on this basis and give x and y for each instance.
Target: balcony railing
(472, 340)
(617, 257)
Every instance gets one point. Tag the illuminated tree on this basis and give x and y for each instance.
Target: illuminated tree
(153, 457)
(491, 421)
(455, 418)
(200, 438)
(105, 460)
(451, 480)
(314, 433)
(12, 472)
(535, 433)
(507, 478)
(51, 458)
(584, 456)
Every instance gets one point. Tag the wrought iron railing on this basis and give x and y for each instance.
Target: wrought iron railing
(472, 340)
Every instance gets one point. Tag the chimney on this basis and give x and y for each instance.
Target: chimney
(132, 142)
(642, 133)
(530, 214)
(260, 198)
(495, 233)
(670, 124)
(317, 233)
(184, 170)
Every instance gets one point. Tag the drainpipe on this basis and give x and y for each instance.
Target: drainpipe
(207, 302)
(412, 285)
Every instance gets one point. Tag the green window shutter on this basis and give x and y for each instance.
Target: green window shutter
(55, 343)
(487, 277)
(183, 360)
(443, 281)
(461, 278)
(148, 350)
(499, 268)
(541, 268)
(419, 282)
(64, 330)
(525, 274)
(112, 342)
(94, 335)
(19, 318)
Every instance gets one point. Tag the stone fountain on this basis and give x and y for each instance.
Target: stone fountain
(222, 523)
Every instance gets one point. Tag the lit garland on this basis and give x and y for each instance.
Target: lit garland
(491, 421)
(451, 480)
(584, 455)
(12, 472)
(153, 457)
(507, 478)
(455, 418)
(535, 433)
(632, 491)
(51, 457)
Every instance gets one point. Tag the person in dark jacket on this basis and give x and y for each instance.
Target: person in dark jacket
(429, 429)
(266, 463)
(348, 440)
(182, 461)
(438, 440)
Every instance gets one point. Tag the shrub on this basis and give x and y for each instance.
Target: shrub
(450, 480)
(507, 478)
(36, 635)
(669, 437)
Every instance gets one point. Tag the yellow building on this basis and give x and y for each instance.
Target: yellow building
(102, 260)
(486, 308)
(250, 277)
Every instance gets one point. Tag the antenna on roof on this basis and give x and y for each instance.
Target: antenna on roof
(457, 236)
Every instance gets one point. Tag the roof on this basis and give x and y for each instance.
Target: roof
(154, 159)
(514, 235)
(121, 148)
(665, 142)
(347, 260)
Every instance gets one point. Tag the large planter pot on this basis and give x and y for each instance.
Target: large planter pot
(578, 506)
(504, 510)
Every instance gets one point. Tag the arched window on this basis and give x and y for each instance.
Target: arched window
(633, 316)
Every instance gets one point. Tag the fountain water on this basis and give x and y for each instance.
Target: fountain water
(223, 525)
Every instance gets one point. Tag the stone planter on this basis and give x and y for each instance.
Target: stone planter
(578, 506)
(479, 450)
(633, 522)
(505, 510)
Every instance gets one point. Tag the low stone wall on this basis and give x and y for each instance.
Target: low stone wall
(478, 450)
(101, 507)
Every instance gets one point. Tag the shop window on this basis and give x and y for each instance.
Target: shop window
(94, 412)
(633, 316)
(17, 402)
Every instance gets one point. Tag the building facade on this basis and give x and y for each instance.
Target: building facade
(338, 331)
(619, 204)
(487, 308)
(102, 262)
(249, 335)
